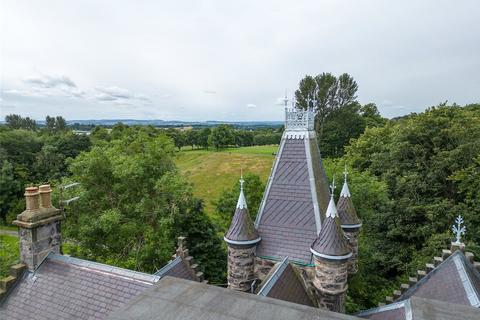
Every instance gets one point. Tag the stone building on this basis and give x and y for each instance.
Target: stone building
(292, 263)
(297, 221)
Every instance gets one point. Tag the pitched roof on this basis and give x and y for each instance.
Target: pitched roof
(290, 215)
(285, 284)
(417, 308)
(346, 210)
(177, 268)
(173, 298)
(455, 280)
(331, 242)
(69, 288)
(241, 229)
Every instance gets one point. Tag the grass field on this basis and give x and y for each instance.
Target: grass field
(211, 172)
(9, 254)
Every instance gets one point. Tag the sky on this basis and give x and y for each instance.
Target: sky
(230, 60)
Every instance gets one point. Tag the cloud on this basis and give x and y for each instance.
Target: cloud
(209, 92)
(50, 81)
(121, 96)
(251, 106)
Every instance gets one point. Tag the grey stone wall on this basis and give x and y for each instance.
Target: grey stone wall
(263, 267)
(37, 242)
(241, 267)
(331, 283)
(353, 243)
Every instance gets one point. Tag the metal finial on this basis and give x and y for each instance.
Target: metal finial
(241, 179)
(459, 229)
(345, 172)
(285, 100)
(332, 187)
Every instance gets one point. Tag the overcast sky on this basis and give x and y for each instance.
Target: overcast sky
(230, 60)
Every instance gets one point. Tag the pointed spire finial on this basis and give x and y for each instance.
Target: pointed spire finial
(332, 187)
(345, 172)
(285, 100)
(241, 179)
(242, 202)
(459, 229)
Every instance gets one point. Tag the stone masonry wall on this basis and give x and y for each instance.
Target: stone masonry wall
(36, 243)
(263, 267)
(241, 264)
(331, 284)
(353, 243)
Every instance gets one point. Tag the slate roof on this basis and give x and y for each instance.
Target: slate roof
(417, 308)
(290, 215)
(172, 299)
(331, 242)
(455, 280)
(241, 229)
(346, 210)
(69, 288)
(285, 284)
(177, 268)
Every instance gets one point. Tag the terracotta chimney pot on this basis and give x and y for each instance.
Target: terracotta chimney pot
(45, 196)
(32, 198)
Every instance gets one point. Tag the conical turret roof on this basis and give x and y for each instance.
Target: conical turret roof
(331, 242)
(241, 231)
(346, 210)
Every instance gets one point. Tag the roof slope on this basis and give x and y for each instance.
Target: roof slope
(417, 308)
(173, 298)
(289, 218)
(68, 288)
(241, 229)
(331, 242)
(346, 210)
(454, 280)
(285, 284)
(177, 268)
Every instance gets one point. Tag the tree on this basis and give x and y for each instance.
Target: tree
(222, 136)
(226, 203)
(191, 137)
(329, 92)
(50, 123)
(60, 123)
(203, 135)
(15, 121)
(134, 204)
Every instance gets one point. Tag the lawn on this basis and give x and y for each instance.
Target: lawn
(211, 172)
(9, 253)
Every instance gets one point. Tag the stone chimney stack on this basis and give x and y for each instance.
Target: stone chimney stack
(39, 226)
(331, 254)
(242, 240)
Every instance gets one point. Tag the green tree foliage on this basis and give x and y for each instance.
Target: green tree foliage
(427, 161)
(221, 137)
(55, 124)
(203, 135)
(227, 202)
(339, 117)
(134, 204)
(15, 121)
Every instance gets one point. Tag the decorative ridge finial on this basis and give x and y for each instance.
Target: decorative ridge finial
(242, 202)
(298, 119)
(332, 208)
(459, 229)
(345, 190)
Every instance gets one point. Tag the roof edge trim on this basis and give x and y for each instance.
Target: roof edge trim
(161, 272)
(327, 256)
(313, 187)
(239, 242)
(351, 226)
(265, 290)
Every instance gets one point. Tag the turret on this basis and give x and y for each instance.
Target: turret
(331, 254)
(349, 222)
(242, 239)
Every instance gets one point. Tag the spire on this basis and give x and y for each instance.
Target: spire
(345, 190)
(241, 231)
(346, 210)
(332, 209)
(242, 202)
(331, 242)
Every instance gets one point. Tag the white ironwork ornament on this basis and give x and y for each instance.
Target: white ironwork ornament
(459, 229)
